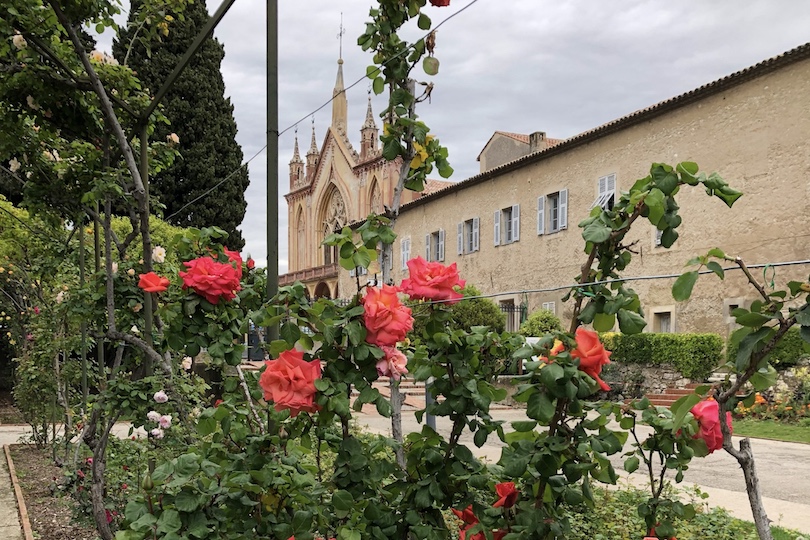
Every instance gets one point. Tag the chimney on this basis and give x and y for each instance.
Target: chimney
(537, 141)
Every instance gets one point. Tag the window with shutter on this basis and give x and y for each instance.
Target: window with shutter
(460, 239)
(475, 235)
(563, 209)
(497, 232)
(607, 192)
(441, 245)
(515, 222)
(541, 214)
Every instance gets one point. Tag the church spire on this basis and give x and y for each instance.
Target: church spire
(296, 167)
(312, 156)
(339, 102)
(368, 134)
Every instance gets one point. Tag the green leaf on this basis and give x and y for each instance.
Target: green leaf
(289, 332)
(748, 344)
(803, 316)
(682, 289)
(655, 203)
(716, 252)
(604, 322)
(343, 501)
(596, 232)
(185, 501)
(524, 425)
(804, 333)
(169, 521)
(631, 464)
(715, 267)
(751, 319)
(423, 22)
(378, 85)
(631, 322)
(540, 407)
(681, 408)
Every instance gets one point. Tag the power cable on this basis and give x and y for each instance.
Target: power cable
(619, 280)
(295, 124)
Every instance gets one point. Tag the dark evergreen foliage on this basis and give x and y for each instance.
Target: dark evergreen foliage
(202, 117)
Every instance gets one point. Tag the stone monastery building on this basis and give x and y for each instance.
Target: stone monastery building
(512, 228)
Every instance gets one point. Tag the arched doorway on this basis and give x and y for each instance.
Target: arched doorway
(322, 291)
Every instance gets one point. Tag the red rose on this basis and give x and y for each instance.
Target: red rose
(507, 493)
(235, 258)
(440, 3)
(386, 319)
(707, 414)
(592, 354)
(211, 279)
(432, 281)
(289, 382)
(153, 283)
(251, 264)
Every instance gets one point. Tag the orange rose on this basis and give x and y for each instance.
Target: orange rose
(432, 281)
(592, 354)
(289, 382)
(387, 321)
(153, 283)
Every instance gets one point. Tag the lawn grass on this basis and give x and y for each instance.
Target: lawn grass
(769, 429)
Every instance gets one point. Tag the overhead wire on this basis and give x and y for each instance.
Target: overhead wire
(312, 113)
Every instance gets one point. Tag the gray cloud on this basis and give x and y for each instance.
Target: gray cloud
(520, 66)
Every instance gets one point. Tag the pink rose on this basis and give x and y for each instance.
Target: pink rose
(394, 364)
(592, 354)
(707, 414)
(432, 281)
(165, 421)
(211, 279)
(387, 321)
(289, 382)
(160, 397)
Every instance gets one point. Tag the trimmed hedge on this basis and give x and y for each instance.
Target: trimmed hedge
(694, 355)
(787, 352)
(540, 323)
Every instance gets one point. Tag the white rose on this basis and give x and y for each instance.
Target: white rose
(153, 416)
(186, 363)
(173, 138)
(158, 254)
(19, 41)
(32, 103)
(14, 165)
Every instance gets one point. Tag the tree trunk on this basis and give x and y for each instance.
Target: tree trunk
(745, 457)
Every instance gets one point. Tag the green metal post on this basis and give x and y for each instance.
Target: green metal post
(272, 157)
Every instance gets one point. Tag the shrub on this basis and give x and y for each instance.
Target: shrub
(694, 355)
(539, 323)
(787, 352)
(469, 312)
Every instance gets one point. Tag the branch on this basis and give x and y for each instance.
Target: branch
(249, 399)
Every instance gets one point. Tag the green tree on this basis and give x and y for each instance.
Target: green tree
(200, 115)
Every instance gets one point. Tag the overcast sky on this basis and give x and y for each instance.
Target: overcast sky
(510, 65)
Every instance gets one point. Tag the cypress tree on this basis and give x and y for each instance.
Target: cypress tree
(201, 116)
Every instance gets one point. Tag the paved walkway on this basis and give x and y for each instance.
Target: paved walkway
(783, 468)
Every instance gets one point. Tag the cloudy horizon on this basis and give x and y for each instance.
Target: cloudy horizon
(519, 66)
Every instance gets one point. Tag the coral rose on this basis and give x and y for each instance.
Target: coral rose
(592, 354)
(707, 414)
(211, 279)
(153, 283)
(387, 321)
(236, 258)
(289, 382)
(507, 493)
(394, 364)
(432, 281)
